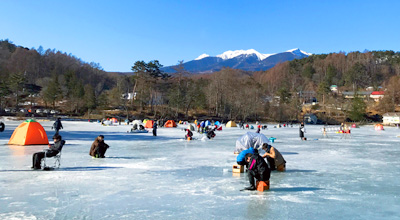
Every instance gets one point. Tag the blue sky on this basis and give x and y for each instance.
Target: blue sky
(115, 34)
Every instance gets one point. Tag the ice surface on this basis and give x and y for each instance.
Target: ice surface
(165, 177)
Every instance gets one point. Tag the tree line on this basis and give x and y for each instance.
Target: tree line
(275, 94)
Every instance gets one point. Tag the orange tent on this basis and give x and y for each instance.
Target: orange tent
(29, 132)
(149, 124)
(170, 124)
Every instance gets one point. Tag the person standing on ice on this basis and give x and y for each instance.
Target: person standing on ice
(98, 148)
(155, 129)
(258, 169)
(274, 158)
(57, 125)
(302, 130)
(53, 150)
(202, 126)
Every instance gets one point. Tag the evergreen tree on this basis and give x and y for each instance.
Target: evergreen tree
(358, 107)
(52, 92)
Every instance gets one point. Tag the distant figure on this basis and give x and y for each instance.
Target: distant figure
(210, 133)
(57, 125)
(53, 150)
(155, 129)
(258, 129)
(264, 127)
(247, 126)
(134, 127)
(274, 157)
(98, 148)
(258, 169)
(302, 130)
(202, 127)
(2, 126)
(188, 135)
(324, 133)
(241, 125)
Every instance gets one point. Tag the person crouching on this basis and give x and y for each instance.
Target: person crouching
(258, 169)
(98, 148)
(274, 157)
(188, 135)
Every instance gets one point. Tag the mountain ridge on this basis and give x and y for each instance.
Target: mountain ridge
(248, 60)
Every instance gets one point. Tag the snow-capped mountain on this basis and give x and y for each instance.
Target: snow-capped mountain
(249, 60)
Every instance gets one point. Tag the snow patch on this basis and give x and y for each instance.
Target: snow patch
(297, 51)
(232, 54)
(204, 55)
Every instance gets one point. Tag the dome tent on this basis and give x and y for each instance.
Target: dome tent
(29, 132)
(149, 124)
(190, 127)
(231, 124)
(170, 124)
(250, 139)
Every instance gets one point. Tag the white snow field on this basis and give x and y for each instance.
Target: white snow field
(166, 177)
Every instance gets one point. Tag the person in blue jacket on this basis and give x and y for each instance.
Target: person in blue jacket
(241, 160)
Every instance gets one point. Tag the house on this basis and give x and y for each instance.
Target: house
(391, 118)
(129, 96)
(334, 88)
(377, 95)
(350, 95)
(310, 119)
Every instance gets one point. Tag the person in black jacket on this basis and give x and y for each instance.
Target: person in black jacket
(155, 129)
(53, 150)
(258, 169)
(57, 125)
(302, 130)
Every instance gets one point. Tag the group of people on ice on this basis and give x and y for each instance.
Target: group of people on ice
(256, 165)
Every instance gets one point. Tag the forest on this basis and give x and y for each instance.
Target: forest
(38, 78)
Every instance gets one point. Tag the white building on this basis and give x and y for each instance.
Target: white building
(391, 118)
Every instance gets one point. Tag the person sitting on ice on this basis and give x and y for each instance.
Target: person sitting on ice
(134, 127)
(141, 127)
(98, 148)
(210, 133)
(258, 169)
(53, 150)
(188, 134)
(264, 127)
(241, 160)
(274, 158)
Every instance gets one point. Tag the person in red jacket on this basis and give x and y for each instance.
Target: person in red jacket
(189, 134)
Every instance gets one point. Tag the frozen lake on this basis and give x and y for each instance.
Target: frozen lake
(165, 177)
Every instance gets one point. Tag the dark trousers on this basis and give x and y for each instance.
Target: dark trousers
(154, 132)
(100, 152)
(271, 162)
(253, 175)
(36, 158)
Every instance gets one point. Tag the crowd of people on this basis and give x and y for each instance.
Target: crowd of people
(258, 167)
